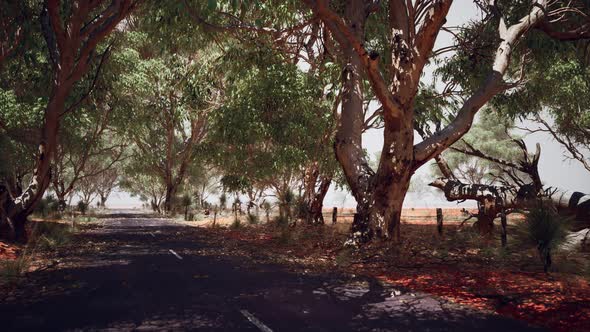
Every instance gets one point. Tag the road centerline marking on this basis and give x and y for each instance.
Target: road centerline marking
(175, 254)
(260, 325)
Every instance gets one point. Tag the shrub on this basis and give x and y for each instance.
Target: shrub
(281, 221)
(42, 208)
(11, 270)
(82, 207)
(186, 202)
(545, 229)
(236, 224)
(47, 205)
(266, 206)
(222, 201)
(301, 208)
(51, 235)
(253, 219)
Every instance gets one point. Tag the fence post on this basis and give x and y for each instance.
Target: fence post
(503, 221)
(439, 221)
(334, 215)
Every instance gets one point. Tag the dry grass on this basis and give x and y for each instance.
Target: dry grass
(460, 266)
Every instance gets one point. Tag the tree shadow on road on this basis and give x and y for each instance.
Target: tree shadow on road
(132, 280)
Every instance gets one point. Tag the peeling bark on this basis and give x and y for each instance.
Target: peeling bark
(380, 195)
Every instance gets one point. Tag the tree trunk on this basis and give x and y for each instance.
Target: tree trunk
(314, 200)
(18, 228)
(61, 202)
(485, 218)
(18, 209)
(504, 228)
(387, 211)
(334, 215)
(348, 141)
(170, 197)
(439, 221)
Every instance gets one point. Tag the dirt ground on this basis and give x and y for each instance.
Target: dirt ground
(131, 272)
(458, 267)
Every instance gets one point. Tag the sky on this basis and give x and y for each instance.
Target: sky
(554, 169)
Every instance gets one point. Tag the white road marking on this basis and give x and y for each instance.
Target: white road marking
(175, 254)
(152, 234)
(260, 325)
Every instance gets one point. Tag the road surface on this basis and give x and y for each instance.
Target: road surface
(137, 273)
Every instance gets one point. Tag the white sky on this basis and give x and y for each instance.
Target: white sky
(554, 169)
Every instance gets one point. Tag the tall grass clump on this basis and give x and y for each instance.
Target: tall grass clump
(544, 229)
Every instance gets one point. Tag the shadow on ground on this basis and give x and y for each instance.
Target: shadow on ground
(125, 276)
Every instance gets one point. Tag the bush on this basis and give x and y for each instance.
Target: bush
(222, 201)
(544, 229)
(186, 202)
(267, 207)
(82, 207)
(236, 224)
(281, 221)
(11, 270)
(47, 205)
(51, 235)
(301, 208)
(42, 208)
(253, 219)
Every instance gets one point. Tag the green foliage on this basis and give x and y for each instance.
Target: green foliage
(301, 208)
(488, 135)
(272, 122)
(266, 206)
(186, 200)
(47, 205)
(49, 236)
(82, 207)
(12, 270)
(557, 74)
(222, 201)
(544, 229)
(543, 226)
(281, 221)
(253, 219)
(236, 224)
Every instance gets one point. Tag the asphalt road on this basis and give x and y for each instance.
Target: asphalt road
(148, 274)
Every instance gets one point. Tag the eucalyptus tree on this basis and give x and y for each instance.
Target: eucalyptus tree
(202, 181)
(390, 43)
(87, 147)
(72, 32)
(487, 157)
(144, 185)
(105, 182)
(171, 96)
(14, 17)
(555, 76)
(274, 124)
(491, 136)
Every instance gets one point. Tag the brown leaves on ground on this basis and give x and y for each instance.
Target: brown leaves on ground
(460, 266)
(8, 251)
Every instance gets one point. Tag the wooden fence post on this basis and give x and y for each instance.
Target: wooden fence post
(439, 221)
(503, 221)
(334, 215)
